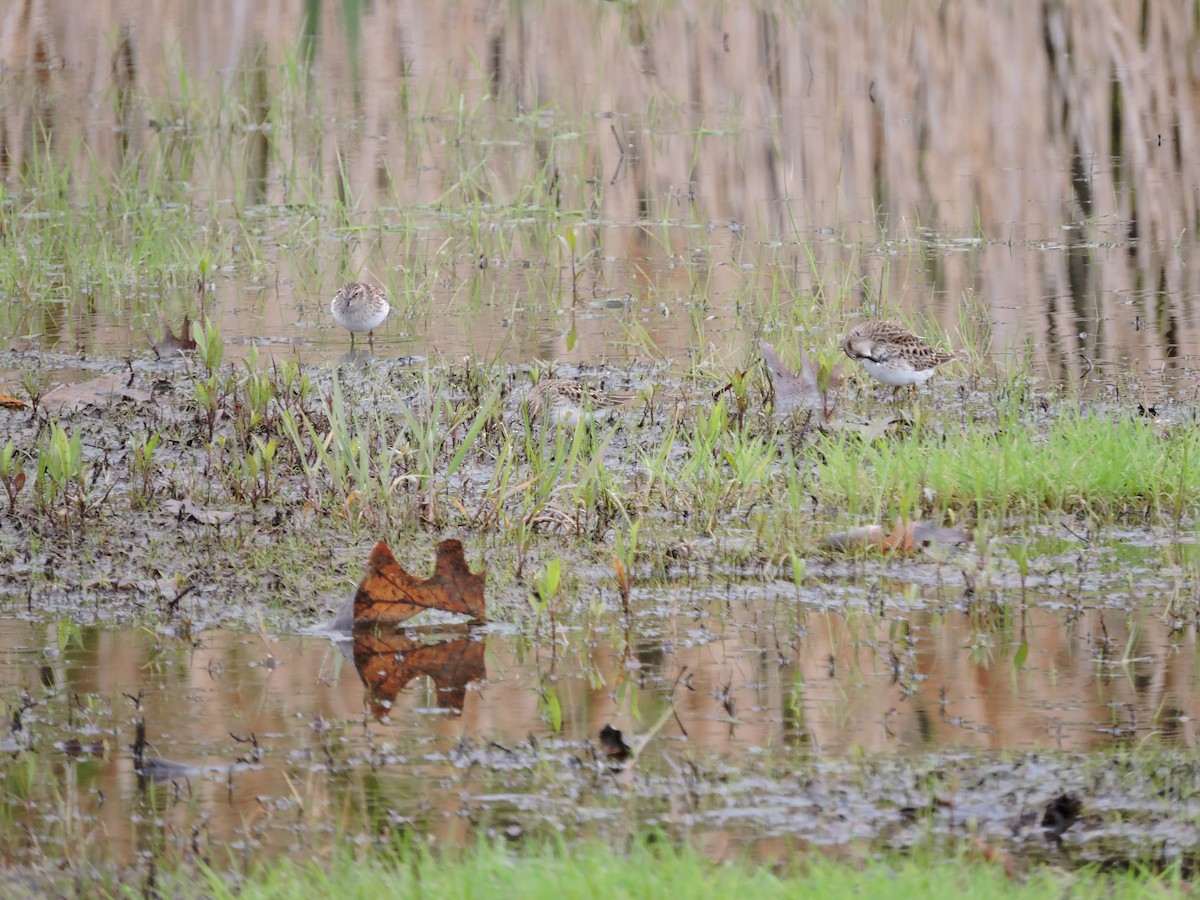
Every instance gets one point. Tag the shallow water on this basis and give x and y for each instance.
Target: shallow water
(717, 170)
(260, 741)
(627, 189)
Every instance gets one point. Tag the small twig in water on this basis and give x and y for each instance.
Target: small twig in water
(621, 151)
(1079, 537)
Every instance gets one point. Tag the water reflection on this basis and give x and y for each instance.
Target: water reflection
(386, 663)
(275, 724)
(970, 170)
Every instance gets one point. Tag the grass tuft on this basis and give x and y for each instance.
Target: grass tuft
(1102, 468)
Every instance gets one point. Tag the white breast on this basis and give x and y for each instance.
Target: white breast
(899, 375)
(568, 414)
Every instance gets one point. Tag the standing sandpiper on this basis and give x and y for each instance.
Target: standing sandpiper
(360, 307)
(892, 354)
(569, 401)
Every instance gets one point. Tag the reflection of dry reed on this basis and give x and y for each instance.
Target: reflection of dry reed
(850, 680)
(976, 118)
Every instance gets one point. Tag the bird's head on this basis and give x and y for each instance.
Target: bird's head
(857, 345)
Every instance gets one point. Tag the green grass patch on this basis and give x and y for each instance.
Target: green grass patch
(652, 871)
(1080, 464)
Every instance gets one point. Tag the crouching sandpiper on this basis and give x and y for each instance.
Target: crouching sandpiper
(892, 354)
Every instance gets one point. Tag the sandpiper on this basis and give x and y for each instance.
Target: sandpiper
(791, 391)
(360, 307)
(892, 354)
(569, 401)
(800, 390)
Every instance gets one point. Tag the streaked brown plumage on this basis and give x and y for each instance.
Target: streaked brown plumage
(892, 354)
(568, 401)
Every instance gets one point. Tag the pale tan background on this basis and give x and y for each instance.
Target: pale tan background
(1052, 131)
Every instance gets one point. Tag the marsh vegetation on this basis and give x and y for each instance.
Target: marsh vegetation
(692, 629)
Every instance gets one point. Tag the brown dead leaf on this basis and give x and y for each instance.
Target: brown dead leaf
(622, 575)
(388, 595)
(187, 511)
(907, 537)
(97, 392)
(7, 401)
(171, 345)
(388, 662)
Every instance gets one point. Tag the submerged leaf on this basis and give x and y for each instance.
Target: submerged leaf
(551, 708)
(96, 392)
(187, 511)
(868, 431)
(1021, 655)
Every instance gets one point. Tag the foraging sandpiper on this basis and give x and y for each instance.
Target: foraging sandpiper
(360, 307)
(800, 390)
(892, 354)
(569, 401)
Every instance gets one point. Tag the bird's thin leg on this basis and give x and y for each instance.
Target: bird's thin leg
(352, 340)
(371, 338)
